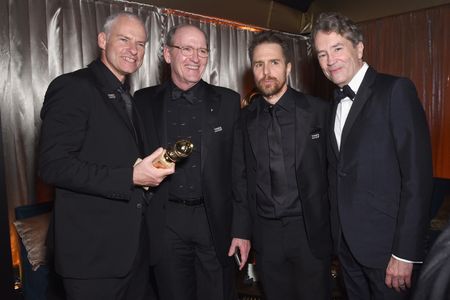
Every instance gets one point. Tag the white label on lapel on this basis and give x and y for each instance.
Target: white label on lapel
(315, 136)
(112, 96)
(217, 129)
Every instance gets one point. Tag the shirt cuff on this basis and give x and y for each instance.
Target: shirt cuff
(407, 261)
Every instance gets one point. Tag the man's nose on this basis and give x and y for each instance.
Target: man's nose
(194, 55)
(331, 59)
(266, 69)
(133, 48)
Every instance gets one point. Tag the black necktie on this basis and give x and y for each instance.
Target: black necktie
(276, 159)
(126, 98)
(179, 94)
(346, 91)
(128, 104)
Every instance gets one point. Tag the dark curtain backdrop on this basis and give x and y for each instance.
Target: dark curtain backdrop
(6, 272)
(414, 45)
(417, 45)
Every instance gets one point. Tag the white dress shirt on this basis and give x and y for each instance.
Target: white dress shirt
(345, 104)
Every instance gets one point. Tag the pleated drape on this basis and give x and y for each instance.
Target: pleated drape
(416, 45)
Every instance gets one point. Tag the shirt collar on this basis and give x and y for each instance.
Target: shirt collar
(358, 78)
(194, 89)
(110, 81)
(285, 102)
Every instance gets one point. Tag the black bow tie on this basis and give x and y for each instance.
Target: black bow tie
(346, 91)
(179, 94)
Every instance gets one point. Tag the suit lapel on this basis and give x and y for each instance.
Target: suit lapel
(211, 106)
(332, 135)
(159, 113)
(252, 125)
(111, 98)
(361, 98)
(302, 127)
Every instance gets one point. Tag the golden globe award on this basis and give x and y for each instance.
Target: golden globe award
(181, 149)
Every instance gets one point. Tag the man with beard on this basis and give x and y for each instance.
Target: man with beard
(285, 166)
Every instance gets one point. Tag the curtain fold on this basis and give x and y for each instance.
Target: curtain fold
(415, 45)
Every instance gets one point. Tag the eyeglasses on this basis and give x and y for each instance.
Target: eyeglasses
(189, 51)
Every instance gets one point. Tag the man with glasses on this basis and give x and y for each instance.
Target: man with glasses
(190, 214)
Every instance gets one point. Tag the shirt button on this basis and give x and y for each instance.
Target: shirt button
(139, 205)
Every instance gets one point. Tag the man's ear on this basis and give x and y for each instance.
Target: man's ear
(360, 49)
(288, 69)
(101, 40)
(166, 54)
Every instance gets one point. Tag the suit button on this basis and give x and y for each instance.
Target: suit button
(139, 205)
(342, 174)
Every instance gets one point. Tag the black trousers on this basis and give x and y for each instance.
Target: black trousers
(134, 286)
(189, 269)
(366, 283)
(286, 267)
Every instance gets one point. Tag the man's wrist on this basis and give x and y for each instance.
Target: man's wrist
(406, 261)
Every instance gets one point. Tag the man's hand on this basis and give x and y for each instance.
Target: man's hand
(244, 249)
(145, 174)
(398, 274)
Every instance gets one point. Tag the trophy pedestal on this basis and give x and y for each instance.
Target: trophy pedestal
(161, 162)
(181, 149)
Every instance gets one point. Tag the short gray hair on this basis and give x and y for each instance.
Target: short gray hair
(113, 18)
(169, 36)
(338, 23)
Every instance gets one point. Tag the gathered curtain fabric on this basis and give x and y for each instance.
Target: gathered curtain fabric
(42, 39)
(416, 45)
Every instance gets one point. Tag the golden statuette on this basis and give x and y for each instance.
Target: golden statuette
(181, 149)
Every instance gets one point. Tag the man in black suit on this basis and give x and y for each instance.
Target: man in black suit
(380, 168)
(91, 138)
(189, 217)
(285, 167)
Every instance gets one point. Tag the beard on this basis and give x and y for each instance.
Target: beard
(273, 88)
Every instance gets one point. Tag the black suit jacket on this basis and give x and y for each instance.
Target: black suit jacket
(221, 109)
(311, 124)
(381, 179)
(87, 151)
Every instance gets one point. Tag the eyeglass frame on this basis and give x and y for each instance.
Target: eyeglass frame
(188, 48)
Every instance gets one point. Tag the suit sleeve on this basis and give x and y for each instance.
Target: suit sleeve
(65, 122)
(412, 144)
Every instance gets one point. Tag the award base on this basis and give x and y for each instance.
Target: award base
(161, 162)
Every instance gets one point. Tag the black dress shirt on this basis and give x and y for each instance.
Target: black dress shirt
(267, 207)
(184, 121)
